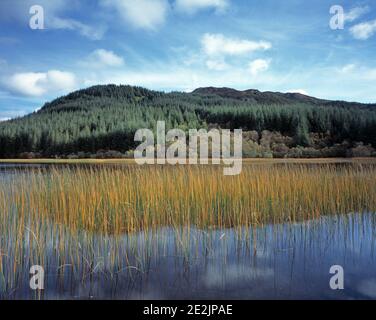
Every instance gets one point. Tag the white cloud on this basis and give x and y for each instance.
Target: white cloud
(363, 31)
(141, 14)
(259, 65)
(301, 91)
(103, 58)
(38, 84)
(192, 6)
(58, 80)
(348, 68)
(27, 83)
(4, 119)
(218, 44)
(217, 65)
(359, 72)
(356, 13)
(93, 33)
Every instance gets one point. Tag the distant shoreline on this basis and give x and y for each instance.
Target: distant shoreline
(245, 160)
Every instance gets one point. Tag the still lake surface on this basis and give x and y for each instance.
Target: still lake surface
(287, 261)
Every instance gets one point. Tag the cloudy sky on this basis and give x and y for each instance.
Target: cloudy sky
(184, 44)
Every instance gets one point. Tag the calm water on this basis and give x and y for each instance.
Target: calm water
(289, 261)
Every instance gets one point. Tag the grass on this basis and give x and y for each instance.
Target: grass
(117, 200)
(76, 209)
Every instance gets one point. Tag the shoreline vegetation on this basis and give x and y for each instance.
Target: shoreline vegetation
(121, 199)
(361, 160)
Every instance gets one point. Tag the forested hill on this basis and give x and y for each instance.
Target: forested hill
(101, 121)
(256, 96)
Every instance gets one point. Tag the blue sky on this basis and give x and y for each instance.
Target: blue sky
(184, 44)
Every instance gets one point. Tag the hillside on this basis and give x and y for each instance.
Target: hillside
(100, 121)
(268, 97)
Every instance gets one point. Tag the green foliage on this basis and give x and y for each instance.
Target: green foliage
(106, 118)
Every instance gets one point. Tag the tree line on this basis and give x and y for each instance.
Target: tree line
(106, 118)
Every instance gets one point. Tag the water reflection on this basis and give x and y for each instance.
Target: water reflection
(289, 261)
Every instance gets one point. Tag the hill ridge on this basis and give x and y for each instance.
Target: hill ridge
(106, 117)
(267, 97)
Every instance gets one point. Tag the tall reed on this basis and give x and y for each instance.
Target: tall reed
(117, 200)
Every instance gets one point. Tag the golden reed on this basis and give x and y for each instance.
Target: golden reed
(119, 199)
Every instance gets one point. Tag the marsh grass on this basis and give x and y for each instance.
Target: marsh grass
(117, 200)
(81, 214)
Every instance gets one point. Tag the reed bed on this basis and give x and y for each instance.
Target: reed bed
(77, 212)
(118, 200)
